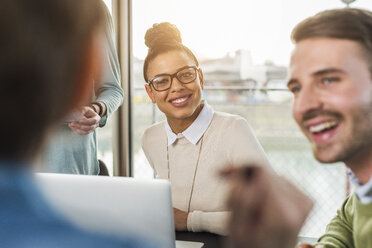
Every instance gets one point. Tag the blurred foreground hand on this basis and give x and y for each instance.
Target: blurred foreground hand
(305, 245)
(267, 210)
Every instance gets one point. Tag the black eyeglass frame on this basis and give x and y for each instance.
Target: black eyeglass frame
(174, 75)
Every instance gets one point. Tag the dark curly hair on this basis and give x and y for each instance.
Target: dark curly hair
(162, 38)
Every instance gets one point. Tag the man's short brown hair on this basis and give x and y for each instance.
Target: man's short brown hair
(348, 23)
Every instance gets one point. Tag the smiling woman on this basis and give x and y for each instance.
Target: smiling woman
(194, 143)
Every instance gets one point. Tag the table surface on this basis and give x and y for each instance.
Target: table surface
(210, 240)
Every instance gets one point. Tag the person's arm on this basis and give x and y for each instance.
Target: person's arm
(153, 144)
(245, 148)
(242, 148)
(109, 92)
(109, 95)
(200, 221)
(267, 210)
(214, 222)
(339, 232)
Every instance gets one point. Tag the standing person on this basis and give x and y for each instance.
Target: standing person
(194, 143)
(73, 149)
(331, 80)
(49, 57)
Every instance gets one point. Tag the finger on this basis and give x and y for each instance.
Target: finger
(78, 131)
(82, 129)
(246, 203)
(304, 245)
(244, 186)
(89, 121)
(293, 204)
(246, 172)
(90, 113)
(87, 128)
(227, 172)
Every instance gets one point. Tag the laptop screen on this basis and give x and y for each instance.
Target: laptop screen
(115, 206)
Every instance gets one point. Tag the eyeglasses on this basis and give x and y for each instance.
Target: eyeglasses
(184, 75)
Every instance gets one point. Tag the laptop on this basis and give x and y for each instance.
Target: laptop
(116, 206)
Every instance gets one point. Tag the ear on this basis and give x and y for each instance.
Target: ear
(89, 73)
(150, 93)
(201, 78)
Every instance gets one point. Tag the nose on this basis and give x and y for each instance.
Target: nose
(308, 99)
(176, 85)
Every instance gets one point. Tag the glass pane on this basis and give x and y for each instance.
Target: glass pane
(104, 135)
(108, 4)
(244, 48)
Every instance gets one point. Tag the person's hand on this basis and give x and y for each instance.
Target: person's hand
(267, 211)
(180, 219)
(85, 125)
(306, 245)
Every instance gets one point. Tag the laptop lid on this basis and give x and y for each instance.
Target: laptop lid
(116, 206)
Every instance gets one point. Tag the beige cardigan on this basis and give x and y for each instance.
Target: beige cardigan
(228, 141)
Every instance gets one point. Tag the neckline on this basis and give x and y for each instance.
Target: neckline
(194, 132)
(195, 170)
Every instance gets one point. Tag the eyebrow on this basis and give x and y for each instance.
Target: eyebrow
(170, 74)
(318, 73)
(328, 70)
(291, 81)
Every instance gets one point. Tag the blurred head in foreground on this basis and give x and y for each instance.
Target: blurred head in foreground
(49, 57)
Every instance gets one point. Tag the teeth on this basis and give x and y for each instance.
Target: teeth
(179, 100)
(323, 126)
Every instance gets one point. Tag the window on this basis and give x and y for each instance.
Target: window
(244, 49)
(104, 135)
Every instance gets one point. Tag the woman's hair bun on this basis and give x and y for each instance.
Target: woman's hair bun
(161, 33)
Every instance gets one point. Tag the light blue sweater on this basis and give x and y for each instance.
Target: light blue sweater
(71, 153)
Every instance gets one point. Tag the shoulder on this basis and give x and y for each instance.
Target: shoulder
(350, 202)
(349, 207)
(235, 130)
(154, 133)
(222, 116)
(154, 130)
(231, 121)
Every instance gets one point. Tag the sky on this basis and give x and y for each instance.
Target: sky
(214, 28)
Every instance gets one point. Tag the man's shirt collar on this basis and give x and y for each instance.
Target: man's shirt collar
(363, 191)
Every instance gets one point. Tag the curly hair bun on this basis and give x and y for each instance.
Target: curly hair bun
(161, 33)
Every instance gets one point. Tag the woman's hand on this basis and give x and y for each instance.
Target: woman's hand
(180, 219)
(85, 125)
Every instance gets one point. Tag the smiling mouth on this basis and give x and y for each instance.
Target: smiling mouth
(180, 101)
(323, 127)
